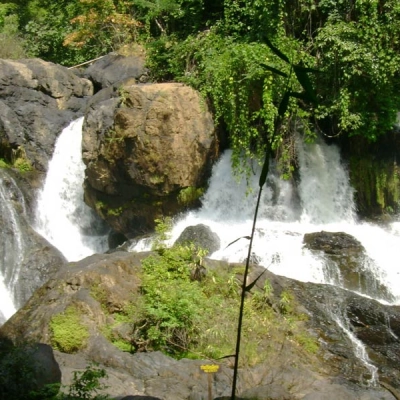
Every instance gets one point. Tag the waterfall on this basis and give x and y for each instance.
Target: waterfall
(359, 350)
(62, 217)
(12, 204)
(322, 199)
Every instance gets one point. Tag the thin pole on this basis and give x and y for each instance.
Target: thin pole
(244, 284)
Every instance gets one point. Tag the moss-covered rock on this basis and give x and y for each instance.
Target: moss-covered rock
(68, 333)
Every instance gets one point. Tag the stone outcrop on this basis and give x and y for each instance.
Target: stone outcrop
(27, 258)
(142, 148)
(37, 100)
(346, 263)
(100, 286)
(202, 236)
(114, 68)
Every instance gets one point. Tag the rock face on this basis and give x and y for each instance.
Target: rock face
(37, 100)
(346, 263)
(142, 149)
(100, 286)
(26, 258)
(114, 68)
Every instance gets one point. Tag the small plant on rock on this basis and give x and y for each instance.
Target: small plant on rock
(68, 333)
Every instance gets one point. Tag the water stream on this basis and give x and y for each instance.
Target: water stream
(62, 217)
(321, 200)
(12, 206)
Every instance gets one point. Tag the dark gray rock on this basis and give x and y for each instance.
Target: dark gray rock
(114, 68)
(26, 368)
(27, 259)
(346, 263)
(47, 371)
(37, 100)
(202, 236)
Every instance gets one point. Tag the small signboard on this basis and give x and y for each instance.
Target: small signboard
(209, 369)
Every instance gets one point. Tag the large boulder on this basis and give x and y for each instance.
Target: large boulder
(346, 263)
(148, 151)
(37, 100)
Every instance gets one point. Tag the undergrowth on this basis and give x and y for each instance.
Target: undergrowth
(188, 310)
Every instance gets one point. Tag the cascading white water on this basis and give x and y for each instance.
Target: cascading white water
(62, 217)
(12, 243)
(359, 350)
(322, 200)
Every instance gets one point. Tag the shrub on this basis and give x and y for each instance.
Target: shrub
(87, 383)
(18, 373)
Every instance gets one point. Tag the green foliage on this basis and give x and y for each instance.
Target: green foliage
(185, 317)
(376, 185)
(18, 373)
(103, 25)
(190, 195)
(360, 54)
(162, 228)
(4, 164)
(163, 17)
(170, 313)
(86, 384)
(12, 45)
(69, 334)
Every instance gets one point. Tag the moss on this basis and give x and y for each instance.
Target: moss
(114, 212)
(20, 160)
(69, 334)
(376, 184)
(4, 164)
(122, 345)
(189, 195)
(307, 342)
(23, 165)
(99, 294)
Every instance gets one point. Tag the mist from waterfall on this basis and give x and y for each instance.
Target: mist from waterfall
(320, 200)
(62, 217)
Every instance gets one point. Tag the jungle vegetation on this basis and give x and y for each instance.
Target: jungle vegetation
(245, 57)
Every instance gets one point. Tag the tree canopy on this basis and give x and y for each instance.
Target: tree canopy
(241, 56)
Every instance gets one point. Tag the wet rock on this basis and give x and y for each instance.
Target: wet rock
(346, 263)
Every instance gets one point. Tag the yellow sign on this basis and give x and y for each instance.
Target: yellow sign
(210, 368)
